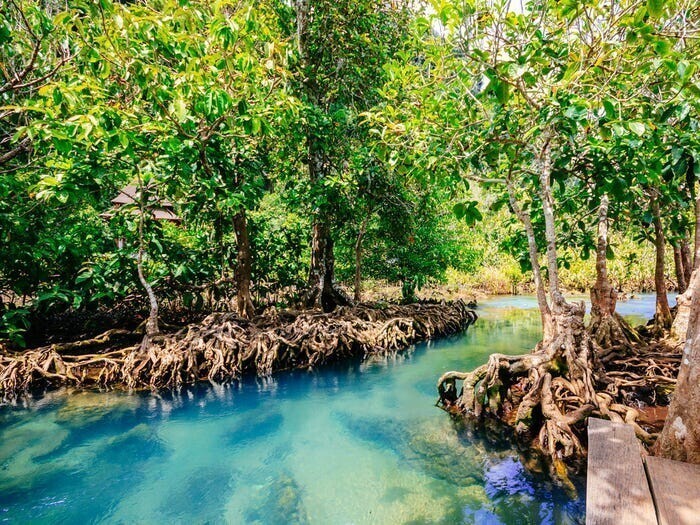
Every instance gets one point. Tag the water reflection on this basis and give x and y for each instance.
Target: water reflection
(354, 443)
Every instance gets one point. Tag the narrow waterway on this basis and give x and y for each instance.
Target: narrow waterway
(358, 443)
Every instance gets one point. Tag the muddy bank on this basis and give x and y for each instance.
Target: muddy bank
(224, 347)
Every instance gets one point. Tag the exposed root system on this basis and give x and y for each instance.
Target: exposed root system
(547, 395)
(224, 346)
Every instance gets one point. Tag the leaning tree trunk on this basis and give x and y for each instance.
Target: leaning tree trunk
(680, 437)
(662, 318)
(244, 302)
(547, 394)
(543, 305)
(608, 328)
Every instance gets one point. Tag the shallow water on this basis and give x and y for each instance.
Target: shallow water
(358, 443)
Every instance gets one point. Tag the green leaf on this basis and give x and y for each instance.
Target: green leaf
(655, 8)
(637, 128)
(663, 47)
(502, 91)
(610, 111)
(180, 109)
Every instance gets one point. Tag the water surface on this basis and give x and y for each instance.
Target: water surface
(351, 444)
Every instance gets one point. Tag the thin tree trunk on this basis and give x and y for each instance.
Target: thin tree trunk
(603, 294)
(244, 302)
(545, 170)
(663, 318)
(524, 217)
(679, 268)
(152, 321)
(680, 437)
(607, 327)
(687, 259)
(322, 290)
(317, 268)
(358, 259)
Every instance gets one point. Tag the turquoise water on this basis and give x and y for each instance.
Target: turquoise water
(352, 444)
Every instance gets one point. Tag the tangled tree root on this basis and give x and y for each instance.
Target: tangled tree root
(224, 346)
(545, 396)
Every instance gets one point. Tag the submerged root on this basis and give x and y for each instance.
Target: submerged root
(224, 346)
(546, 396)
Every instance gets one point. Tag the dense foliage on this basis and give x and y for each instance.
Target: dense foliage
(351, 136)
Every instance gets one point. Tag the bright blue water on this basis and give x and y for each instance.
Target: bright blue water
(359, 443)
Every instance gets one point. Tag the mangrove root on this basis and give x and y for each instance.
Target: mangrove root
(224, 346)
(545, 396)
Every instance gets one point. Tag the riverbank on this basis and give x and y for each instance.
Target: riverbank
(224, 346)
(352, 442)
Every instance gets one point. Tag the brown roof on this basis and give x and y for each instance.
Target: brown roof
(127, 195)
(162, 214)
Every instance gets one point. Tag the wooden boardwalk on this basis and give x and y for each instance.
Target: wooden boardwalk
(625, 487)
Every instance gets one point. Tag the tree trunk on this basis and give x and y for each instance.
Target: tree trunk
(323, 291)
(696, 253)
(662, 319)
(679, 268)
(152, 321)
(687, 260)
(244, 302)
(547, 394)
(358, 259)
(603, 295)
(679, 328)
(680, 438)
(607, 327)
(524, 217)
(545, 169)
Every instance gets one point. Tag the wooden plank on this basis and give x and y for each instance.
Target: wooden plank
(675, 487)
(617, 491)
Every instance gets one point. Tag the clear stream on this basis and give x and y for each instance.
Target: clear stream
(350, 444)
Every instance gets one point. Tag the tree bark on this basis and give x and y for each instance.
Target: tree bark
(152, 321)
(544, 162)
(524, 217)
(358, 259)
(687, 261)
(680, 437)
(679, 328)
(323, 291)
(663, 319)
(603, 295)
(607, 327)
(696, 256)
(244, 302)
(679, 268)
